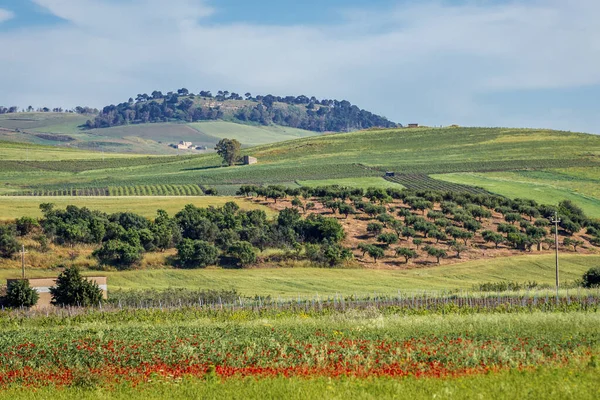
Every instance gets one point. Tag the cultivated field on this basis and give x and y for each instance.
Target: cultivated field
(66, 129)
(412, 154)
(14, 207)
(352, 353)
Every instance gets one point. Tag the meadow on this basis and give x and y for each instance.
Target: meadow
(580, 185)
(356, 354)
(12, 207)
(138, 138)
(297, 280)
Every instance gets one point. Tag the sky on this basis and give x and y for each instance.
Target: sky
(508, 63)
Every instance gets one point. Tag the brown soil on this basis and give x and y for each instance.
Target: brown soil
(356, 231)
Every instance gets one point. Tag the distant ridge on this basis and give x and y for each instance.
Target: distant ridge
(300, 112)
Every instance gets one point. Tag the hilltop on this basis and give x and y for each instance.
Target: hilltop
(154, 124)
(302, 112)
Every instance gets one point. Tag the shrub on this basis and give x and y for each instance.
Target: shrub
(118, 254)
(244, 252)
(72, 289)
(26, 225)
(591, 278)
(8, 241)
(19, 294)
(196, 253)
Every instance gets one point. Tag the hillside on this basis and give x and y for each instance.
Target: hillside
(291, 111)
(413, 154)
(67, 130)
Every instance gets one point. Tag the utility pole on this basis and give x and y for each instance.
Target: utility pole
(23, 261)
(556, 221)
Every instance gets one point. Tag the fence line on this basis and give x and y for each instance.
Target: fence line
(401, 302)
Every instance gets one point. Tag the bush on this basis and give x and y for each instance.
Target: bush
(8, 241)
(591, 278)
(196, 253)
(243, 252)
(118, 254)
(26, 225)
(72, 289)
(19, 294)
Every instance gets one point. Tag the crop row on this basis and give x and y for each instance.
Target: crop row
(436, 167)
(63, 192)
(425, 182)
(156, 190)
(138, 190)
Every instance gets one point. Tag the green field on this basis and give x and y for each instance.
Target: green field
(352, 156)
(292, 282)
(356, 354)
(15, 207)
(363, 183)
(140, 138)
(250, 135)
(581, 185)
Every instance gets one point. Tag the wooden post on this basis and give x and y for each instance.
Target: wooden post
(23, 261)
(556, 221)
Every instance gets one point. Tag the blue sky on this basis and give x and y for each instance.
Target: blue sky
(526, 63)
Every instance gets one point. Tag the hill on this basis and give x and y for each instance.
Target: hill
(421, 158)
(68, 130)
(292, 111)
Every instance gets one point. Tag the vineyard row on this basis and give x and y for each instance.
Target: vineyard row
(425, 182)
(138, 190)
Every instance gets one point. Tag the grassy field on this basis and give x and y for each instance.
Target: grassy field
(140, 138)
(26, 152)
(292, 282)
(539, 384)
(549, 187)
(333, 157)
(14, 207)
(363, 183)
(250, 135)
(358, 354)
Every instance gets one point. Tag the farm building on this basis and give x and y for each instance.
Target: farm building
(250, 160)
(184, 145)
(413, 125)
(43, 285)
(390, 174)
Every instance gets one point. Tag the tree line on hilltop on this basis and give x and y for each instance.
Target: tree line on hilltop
(301, 112)
(77, 110)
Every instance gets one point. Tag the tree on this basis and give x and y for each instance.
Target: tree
(591, 278)
(375, 252)
(229, 149)
(119, 254)
(493, 237)
(8, 241)
(196, 253)
(437, 253)
(72, 289)
(406, 253)
(374, 228)
(387, 238)
(244, 252)
(458, 248)
(19, 294)
(26, 225)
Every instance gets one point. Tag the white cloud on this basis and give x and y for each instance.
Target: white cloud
(424, 62)
(5, 15)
